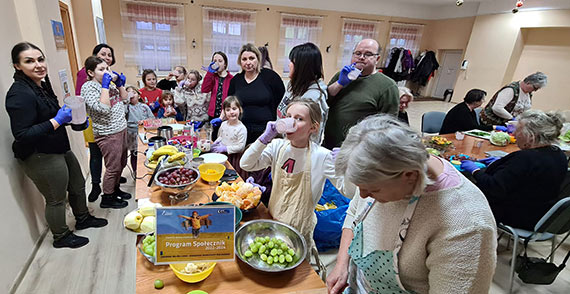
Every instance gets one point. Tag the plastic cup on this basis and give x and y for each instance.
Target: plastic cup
(459, 136)
(215, 66)
(78, 111)
(285, 125)
(354, 74)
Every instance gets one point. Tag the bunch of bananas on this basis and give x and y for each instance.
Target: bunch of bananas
(327, 206)
(174, 156)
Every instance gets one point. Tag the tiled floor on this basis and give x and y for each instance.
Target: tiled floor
(106, 265)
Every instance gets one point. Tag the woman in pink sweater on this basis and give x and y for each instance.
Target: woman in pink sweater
(217, 82)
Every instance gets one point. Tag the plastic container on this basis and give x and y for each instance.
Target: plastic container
(285, 125)
(191, 278)
(150, 150)
(354, 74)
(78, 111)
(459, 136)
(215, 66)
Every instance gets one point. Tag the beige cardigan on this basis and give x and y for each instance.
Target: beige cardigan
(451, 242)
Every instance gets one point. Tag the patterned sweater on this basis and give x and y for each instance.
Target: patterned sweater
(107, 120)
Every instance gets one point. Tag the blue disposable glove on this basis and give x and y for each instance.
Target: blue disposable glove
(154, 106)
(197, 125)
(250, 180)
(216, 121)
(343, 79)
(121, 80)
(334, 153)
(218, 147)
(106, 81)
(487, 161)
(182, 83)
(210, 69)
(269, 133)
(469, 166)
(501, 128)
(63, 115)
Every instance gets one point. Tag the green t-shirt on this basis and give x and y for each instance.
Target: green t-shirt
(365, 96)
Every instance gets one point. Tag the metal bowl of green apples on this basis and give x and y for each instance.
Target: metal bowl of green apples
(270, 246)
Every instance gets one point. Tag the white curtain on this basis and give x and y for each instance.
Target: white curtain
(354, 31)
(227, 30)
(295, 30)
(408, 36)
(153, 35)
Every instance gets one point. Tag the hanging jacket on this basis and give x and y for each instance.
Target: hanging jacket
(425, 68)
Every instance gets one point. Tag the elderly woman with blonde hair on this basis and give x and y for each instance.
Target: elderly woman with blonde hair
(405, 98)
(418, 225)
(522, 186)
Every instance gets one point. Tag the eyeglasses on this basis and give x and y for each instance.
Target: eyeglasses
(365, 54)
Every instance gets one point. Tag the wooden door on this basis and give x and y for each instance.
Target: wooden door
(69, 43)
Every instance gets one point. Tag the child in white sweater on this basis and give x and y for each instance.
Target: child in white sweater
(232, 133)
(299, 167)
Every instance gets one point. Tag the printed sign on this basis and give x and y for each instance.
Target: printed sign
(58, 34)
(190, 234)
(64, 83)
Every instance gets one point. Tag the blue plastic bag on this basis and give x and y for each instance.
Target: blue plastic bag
(329, 222)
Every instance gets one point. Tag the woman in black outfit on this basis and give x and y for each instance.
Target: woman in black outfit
(522, 186)
(462, 117)
(42, 147)
(259, 91)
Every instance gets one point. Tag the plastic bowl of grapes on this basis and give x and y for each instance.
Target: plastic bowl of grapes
(270, 246)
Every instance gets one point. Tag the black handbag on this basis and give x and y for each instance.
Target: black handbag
(534, 270)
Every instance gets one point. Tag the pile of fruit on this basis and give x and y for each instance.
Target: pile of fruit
(142, 220)
(174, 157)
(148, 245)
(326, 206)
(439, 140)
(196, 267)
(178, 176)
(271, 251)
(242, 195)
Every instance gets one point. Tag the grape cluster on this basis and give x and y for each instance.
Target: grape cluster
(272, 251)
(179, 176)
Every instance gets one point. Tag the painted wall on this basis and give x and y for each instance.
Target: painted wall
(497, 44)
(547, 50)
(22, 206)
(267, 30)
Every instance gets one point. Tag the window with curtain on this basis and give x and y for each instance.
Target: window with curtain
(354, 31)
(153, 35)
(408, 36)
(295, 30)
(227, 30)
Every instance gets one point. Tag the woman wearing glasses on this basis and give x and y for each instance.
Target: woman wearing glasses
(512, 100)
(351, 100)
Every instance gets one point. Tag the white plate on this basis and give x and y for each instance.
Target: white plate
(214, 158)
(176, 127)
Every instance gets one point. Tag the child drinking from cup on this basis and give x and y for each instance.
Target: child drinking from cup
(150, 94)
(299, 167)
(167, 109)
(137, 112)
(189, 98)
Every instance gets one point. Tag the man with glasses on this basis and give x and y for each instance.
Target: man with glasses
(352, 100)
(512, 100)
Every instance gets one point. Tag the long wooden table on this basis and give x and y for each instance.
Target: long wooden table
(475, 147)
(227, 277)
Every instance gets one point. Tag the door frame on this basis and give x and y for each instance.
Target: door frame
(69, 40)
(442, 53)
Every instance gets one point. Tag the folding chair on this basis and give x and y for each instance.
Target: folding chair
(556, 221)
